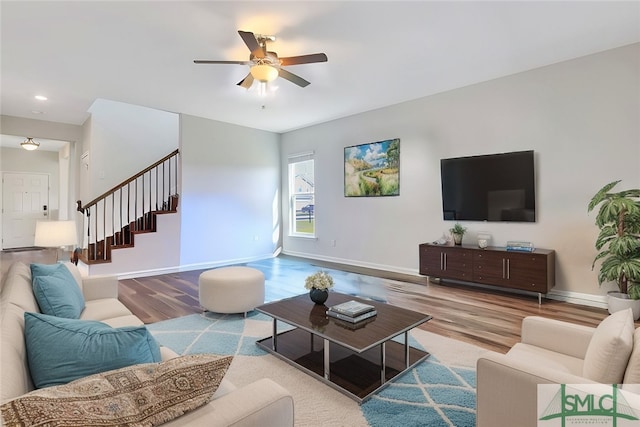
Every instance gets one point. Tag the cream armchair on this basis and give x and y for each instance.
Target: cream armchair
(555, 352)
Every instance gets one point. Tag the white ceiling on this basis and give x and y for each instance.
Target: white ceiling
(380, 53)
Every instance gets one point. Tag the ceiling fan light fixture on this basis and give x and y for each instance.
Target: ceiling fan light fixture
(29, 144)
(264, 72)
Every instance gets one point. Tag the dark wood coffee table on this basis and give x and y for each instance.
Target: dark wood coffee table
(357, 360)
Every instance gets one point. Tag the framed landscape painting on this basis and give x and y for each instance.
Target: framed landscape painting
(372, 169)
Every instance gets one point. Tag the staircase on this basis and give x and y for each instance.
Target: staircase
(113, 219)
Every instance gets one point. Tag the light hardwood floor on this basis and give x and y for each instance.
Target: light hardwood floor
(487, 318)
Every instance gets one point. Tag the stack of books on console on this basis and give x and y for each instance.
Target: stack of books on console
(520, 246)
(352, 311)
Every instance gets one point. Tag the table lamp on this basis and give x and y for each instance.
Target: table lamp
(55, 234)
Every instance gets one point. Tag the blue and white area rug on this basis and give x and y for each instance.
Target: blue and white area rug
(438, 392)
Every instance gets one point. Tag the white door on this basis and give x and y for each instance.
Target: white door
(25, 199)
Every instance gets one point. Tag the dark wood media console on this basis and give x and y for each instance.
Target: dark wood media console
(495, 266)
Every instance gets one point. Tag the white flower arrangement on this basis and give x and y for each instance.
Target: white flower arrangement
(319, 280)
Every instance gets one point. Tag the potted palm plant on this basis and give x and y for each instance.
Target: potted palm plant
(618, 245)
(457, 231)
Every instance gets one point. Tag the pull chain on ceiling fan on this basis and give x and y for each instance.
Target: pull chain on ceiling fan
(265, 65)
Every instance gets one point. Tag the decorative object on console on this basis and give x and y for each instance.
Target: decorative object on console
(457, 231)
(55, 234)
(483, 240)
(513, 245)
(372, 169)
(618, 245)
(319, 284)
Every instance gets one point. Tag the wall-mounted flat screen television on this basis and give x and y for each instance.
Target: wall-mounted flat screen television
(494, 187)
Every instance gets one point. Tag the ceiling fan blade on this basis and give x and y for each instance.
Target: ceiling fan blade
(206, 61)
(252, 43)
(246, 82)
(293, 78)
(304, 59)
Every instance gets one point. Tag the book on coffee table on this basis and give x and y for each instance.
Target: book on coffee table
(351, 319)
(351, 308)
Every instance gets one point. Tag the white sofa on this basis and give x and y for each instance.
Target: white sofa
(555, 352)
(263, 402)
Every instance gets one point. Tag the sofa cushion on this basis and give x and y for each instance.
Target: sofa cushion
(17, 288)
(61, 350)
(632, 374)
(13, 354)
(146, 394)
(57, 291)
(105, 308)
(609, 349)
(538, 356)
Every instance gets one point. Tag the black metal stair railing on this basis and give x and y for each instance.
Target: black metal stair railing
(112, 219)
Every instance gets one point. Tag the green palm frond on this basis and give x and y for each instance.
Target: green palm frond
(601, 195)
(599, 256)
(607, 233)
(614, 269)
(634, 290)
(624, 245)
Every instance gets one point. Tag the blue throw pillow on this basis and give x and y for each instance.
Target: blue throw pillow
(44, 269)
(56, 290)
(62, 350)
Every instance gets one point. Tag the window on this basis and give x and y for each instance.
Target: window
(301, 190)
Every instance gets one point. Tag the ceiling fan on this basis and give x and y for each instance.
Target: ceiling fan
(265, 65)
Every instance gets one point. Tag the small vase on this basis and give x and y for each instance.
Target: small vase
(319, 296)
(457, 238)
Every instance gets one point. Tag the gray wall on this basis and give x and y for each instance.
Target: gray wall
(129, 137)
(230, 193)
(581, 117)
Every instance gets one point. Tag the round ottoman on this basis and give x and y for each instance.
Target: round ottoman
(231, 289)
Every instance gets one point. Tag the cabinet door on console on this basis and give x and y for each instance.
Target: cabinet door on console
(528, 271)
(445, 262)
(489, 268)
(457, 263)
(431, 261)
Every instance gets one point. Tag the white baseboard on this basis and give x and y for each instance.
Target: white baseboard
(191, 267)
(590, 300)
(383, 267)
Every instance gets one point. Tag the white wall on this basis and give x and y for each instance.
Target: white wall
(582, 118)
(229, 199)
(124, 139)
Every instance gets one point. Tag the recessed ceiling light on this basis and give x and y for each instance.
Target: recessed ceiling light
(41, 97)
(37, 112)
